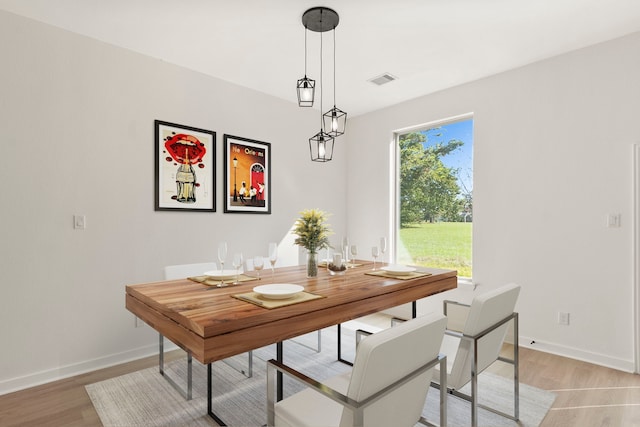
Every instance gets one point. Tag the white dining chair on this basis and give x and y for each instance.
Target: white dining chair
(475, 342)
(182, 271)
(387, 386)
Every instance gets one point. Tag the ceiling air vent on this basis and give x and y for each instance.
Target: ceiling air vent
(383, 79)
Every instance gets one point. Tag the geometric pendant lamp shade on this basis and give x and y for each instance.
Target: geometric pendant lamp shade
(321, 147)
(335, 121)
(306, 91)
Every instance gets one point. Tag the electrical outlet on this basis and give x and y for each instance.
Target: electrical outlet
(563, 318)
(613, 220)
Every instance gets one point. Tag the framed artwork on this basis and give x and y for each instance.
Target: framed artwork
(185, 168)
(247, 175)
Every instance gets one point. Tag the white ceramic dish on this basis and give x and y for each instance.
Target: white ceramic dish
(398, 270)
(278, 290)
(221, 274)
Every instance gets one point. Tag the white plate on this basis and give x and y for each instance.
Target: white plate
(221, 274)
(278, 290)
(398, 270)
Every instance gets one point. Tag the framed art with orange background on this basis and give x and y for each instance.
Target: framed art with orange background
(247, 175)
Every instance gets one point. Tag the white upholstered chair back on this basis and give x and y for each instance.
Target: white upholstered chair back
(486, 310)
(183, 271)
(387, 356)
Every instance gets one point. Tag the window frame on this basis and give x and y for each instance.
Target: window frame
(395, 181)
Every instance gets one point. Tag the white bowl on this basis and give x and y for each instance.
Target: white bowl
(398, 270)
(278, 290)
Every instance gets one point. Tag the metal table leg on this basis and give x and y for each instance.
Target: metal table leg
(213, 415)
(340, 359)
(279, 358)
(210, 412)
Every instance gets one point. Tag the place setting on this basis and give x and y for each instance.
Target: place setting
(393, 271)
(396, 271)
(222, 278)
(277, 295)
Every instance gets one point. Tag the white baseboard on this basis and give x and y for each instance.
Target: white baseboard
(43, 377)
(577, 354)
(38, 378)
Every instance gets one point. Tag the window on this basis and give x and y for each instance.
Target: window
(435, 203)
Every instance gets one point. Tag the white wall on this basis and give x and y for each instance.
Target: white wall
(77, 138)
(552, 157)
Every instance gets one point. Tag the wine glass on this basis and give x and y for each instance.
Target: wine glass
(258, 264)
(328, 259)
(354, 252)
(345, 249)
(238, 259)
(222, 255)
(273, 257)
(374, 253)
(383, 247)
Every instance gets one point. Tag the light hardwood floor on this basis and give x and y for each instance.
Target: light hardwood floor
(588, 395)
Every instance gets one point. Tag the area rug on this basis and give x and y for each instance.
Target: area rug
(144, 398)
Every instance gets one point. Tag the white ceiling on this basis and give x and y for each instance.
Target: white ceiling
(429, 45)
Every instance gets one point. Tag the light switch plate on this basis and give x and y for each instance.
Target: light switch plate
(79, 222)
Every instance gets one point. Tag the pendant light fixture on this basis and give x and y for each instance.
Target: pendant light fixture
(320, 144)
(335, 120)
(306, 87)
(320, 20)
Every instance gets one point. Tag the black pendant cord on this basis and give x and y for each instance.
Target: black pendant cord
(305, 52)
(334, 67)
(321, 84)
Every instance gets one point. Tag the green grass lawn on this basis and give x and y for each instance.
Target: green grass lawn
(441, 244)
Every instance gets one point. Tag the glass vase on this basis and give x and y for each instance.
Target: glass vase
(312, 264)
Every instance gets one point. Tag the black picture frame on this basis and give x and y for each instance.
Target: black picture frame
(185, 168)
(247, 175)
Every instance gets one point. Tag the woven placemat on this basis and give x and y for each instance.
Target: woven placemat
(257, 299)
(411, 275)
(210, 281)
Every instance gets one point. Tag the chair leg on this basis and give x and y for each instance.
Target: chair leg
(249, 371)
(516, 367)
(318, 347)
(187, 394)
(361, 333)
(443, 392)
(474, 387)
(473, 398)
(271, 395)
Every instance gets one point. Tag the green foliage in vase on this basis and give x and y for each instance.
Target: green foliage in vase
(312, 230)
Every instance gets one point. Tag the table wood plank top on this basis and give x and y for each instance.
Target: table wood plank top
(211, 324)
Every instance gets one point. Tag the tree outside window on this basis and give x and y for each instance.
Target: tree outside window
(436, 197)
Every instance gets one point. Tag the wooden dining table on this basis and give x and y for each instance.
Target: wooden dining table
(211, 324)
